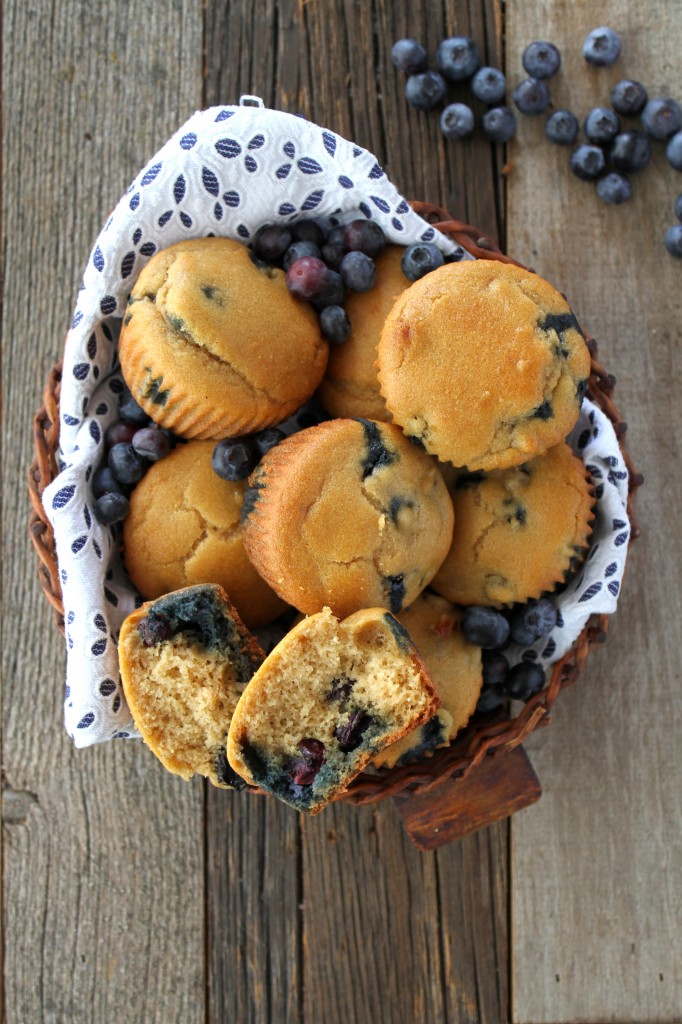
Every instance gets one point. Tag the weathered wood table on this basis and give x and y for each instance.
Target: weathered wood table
(129, 895)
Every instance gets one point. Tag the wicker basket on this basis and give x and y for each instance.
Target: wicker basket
(485, 735)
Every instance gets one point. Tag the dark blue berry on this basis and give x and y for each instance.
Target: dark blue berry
(333, 254)
(587, 162)
(409, 56)
(602, 47)
(628, 97)
(333, 293)
(489, 85)
(531, 621)
(349, 735)
(662, 117)
(614, 188)
(130, 411)
(601, 125)
(358, 271)
(304, 769)
(525, 680)
(541, 60)
(531, 96)
(562, 127)
(484, 627)
(298, 250)
(499, 124)
(364, 236)
(673, 241)
(421, 259)
(151, 443)
(630, 151)
(678, 207)
(104, 482)
(495, 668)
(266, 439)
(306, 277)
(126, 465)
(492, 698)
(335, 235)
(457, 121)
(458, 58)
(335, 324)
(308, 231)
(425, 91)
(120, 432)
(272, 242)
(673, 151)
(111, 508)
(234, 458)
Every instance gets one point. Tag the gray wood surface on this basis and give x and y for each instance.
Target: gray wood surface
(597, 863)
(129, 895)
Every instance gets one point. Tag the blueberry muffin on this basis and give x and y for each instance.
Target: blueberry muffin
(185, 660)
(454, 666)
(347, 514)
(519, 530)
(351, 386)
(214, 345)
(484, 363)
(183, 528)
(325, 701)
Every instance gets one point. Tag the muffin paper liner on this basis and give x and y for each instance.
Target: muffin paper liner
(228, 171)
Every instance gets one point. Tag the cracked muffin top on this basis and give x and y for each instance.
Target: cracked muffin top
(214, 345)
(484, 363)
(519, 530)
(183, 528)
(347, 514)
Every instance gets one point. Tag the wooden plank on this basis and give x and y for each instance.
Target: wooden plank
(103, 857)
(597, 864)
(385, 933)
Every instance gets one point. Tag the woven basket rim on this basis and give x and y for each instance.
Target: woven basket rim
(489, 735)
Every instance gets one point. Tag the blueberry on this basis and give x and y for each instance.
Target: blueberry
(272, 242)
(678, 207)
(333, 293)
(630, 151)
(489, 85)
(484, 627)
(349, 735)
(306, 277)
(126, 464)
(458, 58)
(130, 411)
(364, 236)
(628, 97)
(673, 151)
(531, 96)
(525, 680)
(562, 127)
(104, 482)
(492, 698)
(304, 769)
(601, 125)
(120, 432)
(151, 443)
(297, 250)
(425, 91)
(457, 121)
(541, 60)
(308, 231)
(409, 56)
(358, 271)
(602, 47)
(495, 668)
(111, 508)
(614, 188)
(662, 117)
(335, 324)
(335, 235)
(673, 241)
(333, 253)
(587, 162)
(499, 124)
(234, 458)
(266, 439)
(421, 259)
(531, 621)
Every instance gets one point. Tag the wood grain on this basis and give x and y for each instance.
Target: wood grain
(102, 872)
(597, 864)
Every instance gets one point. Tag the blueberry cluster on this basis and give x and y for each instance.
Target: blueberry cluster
(458, 60)
(132, 444)
(493, 631)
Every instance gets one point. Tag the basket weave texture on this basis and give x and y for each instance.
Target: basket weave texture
(484, 736)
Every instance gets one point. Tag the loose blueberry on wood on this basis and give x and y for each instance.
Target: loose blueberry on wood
(457, 121)
(628, 97)
(541, 59)
(458, 58)
(673, 151)
(425, 91)
(234, 458)
(678, 207)
(614, 188)
(562, 127)
(662, 117)
(630, 151)
(673, 241)
(587, 162)
(499, 124)
(484, 627)
(601, 125)
(602, 47)
(531, 96)
(409, 56)
(489, 85)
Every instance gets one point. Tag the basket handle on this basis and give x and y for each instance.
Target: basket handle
(501, 785)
